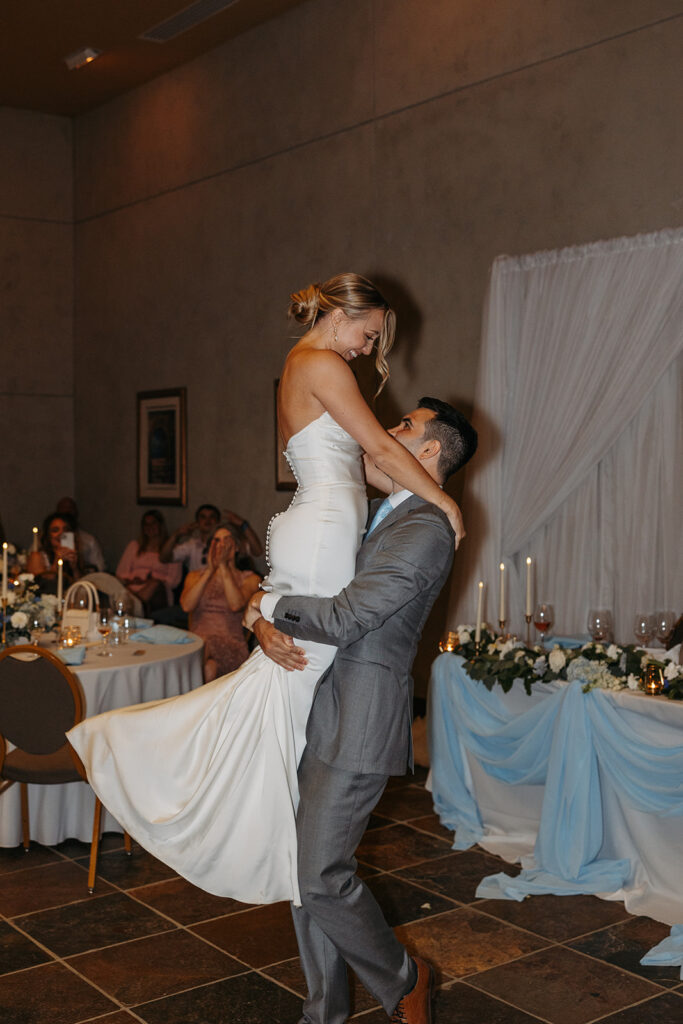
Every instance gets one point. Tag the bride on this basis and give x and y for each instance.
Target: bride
(207, 782)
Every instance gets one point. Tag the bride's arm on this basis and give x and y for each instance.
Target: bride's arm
(375, 478)
(334, 385)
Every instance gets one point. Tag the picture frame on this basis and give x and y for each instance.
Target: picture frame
(284, 478)
(162, 447)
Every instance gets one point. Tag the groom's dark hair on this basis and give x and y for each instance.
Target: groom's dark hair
(457, 436)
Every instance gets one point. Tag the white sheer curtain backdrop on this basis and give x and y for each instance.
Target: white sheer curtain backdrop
(578, 407)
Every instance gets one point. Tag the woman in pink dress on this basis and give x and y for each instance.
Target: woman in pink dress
(142, 571)
(215, 600)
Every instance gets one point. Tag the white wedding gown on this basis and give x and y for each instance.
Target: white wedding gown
(207, 781)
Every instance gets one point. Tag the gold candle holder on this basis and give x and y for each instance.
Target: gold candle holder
(653, 681)
(449, 642)
(501, 624)
(527, 619)
(4, 621)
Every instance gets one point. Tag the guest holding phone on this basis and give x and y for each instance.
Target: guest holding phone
(58, 540)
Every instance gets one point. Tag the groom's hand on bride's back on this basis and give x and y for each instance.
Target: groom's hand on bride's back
(279, 647)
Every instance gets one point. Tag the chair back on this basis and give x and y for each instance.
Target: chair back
(113, 587)
(40, 699)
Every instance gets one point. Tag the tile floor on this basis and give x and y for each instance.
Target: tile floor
(150, 947)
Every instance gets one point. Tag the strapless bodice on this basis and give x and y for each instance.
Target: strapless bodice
(322, 452)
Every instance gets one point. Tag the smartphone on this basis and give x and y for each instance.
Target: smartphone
(67, 540)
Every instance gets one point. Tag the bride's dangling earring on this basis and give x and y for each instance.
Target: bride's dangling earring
(336, 336)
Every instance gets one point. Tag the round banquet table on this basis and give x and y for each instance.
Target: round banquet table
(135, 673)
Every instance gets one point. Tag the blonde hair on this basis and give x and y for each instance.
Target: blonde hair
(356, 297)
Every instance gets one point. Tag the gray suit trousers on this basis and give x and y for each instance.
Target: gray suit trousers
(339, 922)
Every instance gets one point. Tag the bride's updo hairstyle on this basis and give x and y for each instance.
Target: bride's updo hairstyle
(357, 298)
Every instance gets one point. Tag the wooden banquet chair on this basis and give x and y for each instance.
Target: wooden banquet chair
(40, 699)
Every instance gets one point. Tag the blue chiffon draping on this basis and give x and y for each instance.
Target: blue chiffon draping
(564, 741)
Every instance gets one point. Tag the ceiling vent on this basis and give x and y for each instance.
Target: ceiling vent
(186, 19)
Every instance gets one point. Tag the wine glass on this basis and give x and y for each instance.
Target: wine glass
(643, 628)
(664, 623)
(104, 629)
(544, 617)
(599, 624)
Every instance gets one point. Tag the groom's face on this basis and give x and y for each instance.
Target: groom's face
(410, 431)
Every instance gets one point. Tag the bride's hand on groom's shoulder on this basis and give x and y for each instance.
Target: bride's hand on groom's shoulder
(279, 647)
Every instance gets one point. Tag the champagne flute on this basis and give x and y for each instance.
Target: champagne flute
(104, 629)
(544, 617)
(643, 628)
(599, 624)
(664, 623)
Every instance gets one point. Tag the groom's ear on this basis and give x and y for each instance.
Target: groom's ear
(430, 449)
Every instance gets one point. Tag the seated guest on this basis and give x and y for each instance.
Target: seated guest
(59, 539)
(215, 598)
(141, 569)
(90, 550)
(188, 543)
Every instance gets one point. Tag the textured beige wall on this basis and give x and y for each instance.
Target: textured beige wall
(413, 141)
(36, 318)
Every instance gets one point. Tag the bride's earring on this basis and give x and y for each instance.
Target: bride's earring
(336, 336)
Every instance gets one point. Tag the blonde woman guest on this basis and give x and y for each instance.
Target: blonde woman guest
(215, 599)
(140, 568)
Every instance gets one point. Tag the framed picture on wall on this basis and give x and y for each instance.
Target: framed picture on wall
(162, 447)
(284, 478)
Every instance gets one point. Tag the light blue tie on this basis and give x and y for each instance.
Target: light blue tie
(382, 512)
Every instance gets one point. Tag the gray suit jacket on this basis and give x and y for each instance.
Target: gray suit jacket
(362, 711)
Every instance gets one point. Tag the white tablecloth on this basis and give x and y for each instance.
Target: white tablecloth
(64, 812)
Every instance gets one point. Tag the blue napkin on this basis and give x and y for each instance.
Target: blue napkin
(161, 635)
(71, 655)
(668, 952)
(567, 641)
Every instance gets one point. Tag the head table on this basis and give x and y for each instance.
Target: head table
(135, 673)
(584, 788)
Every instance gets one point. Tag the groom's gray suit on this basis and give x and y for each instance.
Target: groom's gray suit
(359, 733)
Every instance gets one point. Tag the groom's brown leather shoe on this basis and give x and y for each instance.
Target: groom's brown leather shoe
(416, 1005)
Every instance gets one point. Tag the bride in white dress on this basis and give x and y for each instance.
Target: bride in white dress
(207, 782)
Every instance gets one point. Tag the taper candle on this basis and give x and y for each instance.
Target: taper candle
(480, 605)
(34, 543)
(501, 611)
(60, 579)
(528, 607)
(4, 570)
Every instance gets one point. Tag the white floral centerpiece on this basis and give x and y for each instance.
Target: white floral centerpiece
(499, 661)
(27, 609)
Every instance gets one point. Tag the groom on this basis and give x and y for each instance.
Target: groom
(359, 729)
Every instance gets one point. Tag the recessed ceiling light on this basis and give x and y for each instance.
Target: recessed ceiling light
(81, 57)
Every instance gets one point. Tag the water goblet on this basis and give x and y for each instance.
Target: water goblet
(664, 623)
(544, 617)
(599, 624)
(643, 628)
(104, 629)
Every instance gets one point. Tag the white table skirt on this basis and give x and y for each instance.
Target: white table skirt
(66, 812)
(510, 814)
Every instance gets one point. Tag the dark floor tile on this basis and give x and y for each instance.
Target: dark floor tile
(97, 922)
(128, 871)
(557, 917)
(624, 944)
(247, 999)
(264, 935)
(563, 987)
(53, 885)
(135, 972)
(405, 803)
(15, 858)
(122, 1017)
(462, 942)
(377, 821)
(432, 823)
(74, 848)
(184, 902)
(664, 1009)
(402, 902)
(397, 847)
(456, 875)
(18, 952)
(460, 1004)
(50, 994)
(290, 975)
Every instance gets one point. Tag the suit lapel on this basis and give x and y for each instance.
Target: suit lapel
(410, 503)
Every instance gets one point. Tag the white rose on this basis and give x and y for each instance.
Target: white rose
(613, 652)
(11, 597)
(507, 647)
(26, 577)
(671, 670)
(540, 665)
(464, 635)
(19, 620)
(632, 681)
(557, 659)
